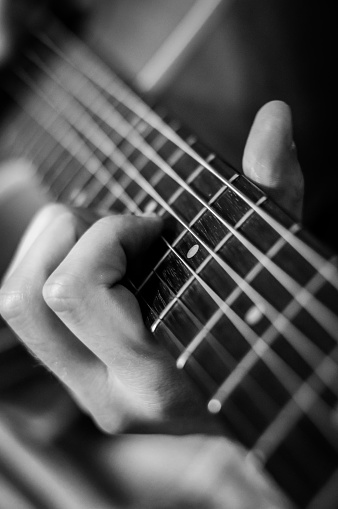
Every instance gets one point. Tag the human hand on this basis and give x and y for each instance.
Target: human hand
(64, 298)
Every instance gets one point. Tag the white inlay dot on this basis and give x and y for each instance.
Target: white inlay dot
(192, 251)
(253, 315)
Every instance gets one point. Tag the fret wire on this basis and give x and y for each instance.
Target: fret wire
(277, 325)
(323, 315)
(225, 307)
(237, 291)
(234, 379)
(32, 138)
(219, 347)
(303, 339)
(64, 137)
(255, 391)
(116, 188)
(233, 314)
(29, 148)
(302, 398)
(41, 157)
(144, 111)
(154, 180)
(322, 375)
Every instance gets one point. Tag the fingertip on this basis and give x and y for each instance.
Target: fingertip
(269, 144)
(270, 158)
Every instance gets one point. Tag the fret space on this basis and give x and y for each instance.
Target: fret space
(181, 324)
(312, 329)
(237, 256)
(260, 396)
(294, 264)
(211, 362)
(198, 301)
(186, 206)
(156, 293)
(248, 188)
(328, 295)
(259, 232)
(185, 166)
(303, 461)
(69, 180)
(210, 229)
(219, 280)
(231, 340)
(166, 187)
(230, 207)
(173, 272)
(271, 290)
(206, 185)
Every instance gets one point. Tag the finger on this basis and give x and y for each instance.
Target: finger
(86, 294)
(270, 158)
(42, 219)
(85, 290)
(23, 307)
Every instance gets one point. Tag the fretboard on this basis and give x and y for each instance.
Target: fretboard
(244, 298)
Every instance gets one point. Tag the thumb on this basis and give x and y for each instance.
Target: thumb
(270, 158)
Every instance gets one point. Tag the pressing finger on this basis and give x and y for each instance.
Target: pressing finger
(85, 290)
(270, 158)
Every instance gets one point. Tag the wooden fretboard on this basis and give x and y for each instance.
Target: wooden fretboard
(244, 298)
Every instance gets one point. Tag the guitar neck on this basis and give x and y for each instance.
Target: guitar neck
(244, 298)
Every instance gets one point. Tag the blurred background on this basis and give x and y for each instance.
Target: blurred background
(212, 64)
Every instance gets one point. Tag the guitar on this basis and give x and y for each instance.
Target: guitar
(244, 297)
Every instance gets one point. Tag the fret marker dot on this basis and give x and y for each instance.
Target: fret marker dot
(192, 251)
(253, 315)
(80, 199)
(151, 206)
(214, 406)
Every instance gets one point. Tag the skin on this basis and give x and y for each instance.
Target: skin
(62, 295)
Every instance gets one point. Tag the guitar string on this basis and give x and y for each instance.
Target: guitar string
(277, 430)
(287, 425)
(100, 72)
(305, 350)
(324, 316)
(252, 383)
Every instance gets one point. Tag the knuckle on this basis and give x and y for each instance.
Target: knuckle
(63, 292)
(14, 303)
